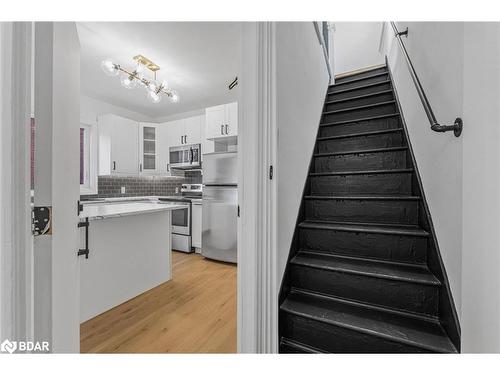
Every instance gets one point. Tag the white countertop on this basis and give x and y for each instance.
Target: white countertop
(102, 210)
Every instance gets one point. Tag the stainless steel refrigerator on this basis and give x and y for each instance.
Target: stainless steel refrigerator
(220, 206)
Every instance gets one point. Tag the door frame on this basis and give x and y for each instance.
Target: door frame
(257, 149)
(16, 244)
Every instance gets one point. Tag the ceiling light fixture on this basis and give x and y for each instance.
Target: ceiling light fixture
(130, 78)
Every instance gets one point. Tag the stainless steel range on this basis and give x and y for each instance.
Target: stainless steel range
(181, 219)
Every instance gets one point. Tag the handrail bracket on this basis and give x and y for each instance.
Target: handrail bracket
(401, 33)
(456, 127)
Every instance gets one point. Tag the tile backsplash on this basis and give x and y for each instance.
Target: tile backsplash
(110, 186)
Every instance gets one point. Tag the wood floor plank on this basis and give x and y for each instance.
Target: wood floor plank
(195, 312)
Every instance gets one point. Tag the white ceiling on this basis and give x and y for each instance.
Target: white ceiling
(198, 59)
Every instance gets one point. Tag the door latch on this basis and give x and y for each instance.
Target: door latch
(41, 220)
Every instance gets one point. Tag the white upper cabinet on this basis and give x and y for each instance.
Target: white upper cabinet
(118, 145)
(231, 126)
(221, 121)
(124, 146)
(148, 148)
(215, 118)
(192, 129)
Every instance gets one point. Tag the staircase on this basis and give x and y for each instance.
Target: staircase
(364, 273)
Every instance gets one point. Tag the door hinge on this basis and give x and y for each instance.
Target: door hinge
(41, 220)
(271, 172)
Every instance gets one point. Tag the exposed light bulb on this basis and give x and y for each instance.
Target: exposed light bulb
(110, 68)
(155, 97)
(128, 81)
(139, 68)
(152, 86)
(164, 84)
(141, 81)
(174, 96)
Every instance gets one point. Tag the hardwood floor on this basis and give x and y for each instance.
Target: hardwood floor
(195, 312)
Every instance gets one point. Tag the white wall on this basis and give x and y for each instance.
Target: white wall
(90, 108)
(481, 189)
(356, 45)
(438, 155)
(302, 80)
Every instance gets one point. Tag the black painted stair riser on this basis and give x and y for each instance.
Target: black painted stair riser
(380, 96)
(363, 210)
(361, 184)
(352, 113)
(359, 82)
(367, 73)
(377, 140)
(363, 161)
(396, 294)
(395, 248)
(360, 125)
(357, 91)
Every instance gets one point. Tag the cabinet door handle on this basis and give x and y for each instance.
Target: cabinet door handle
(114, 165)
(227, 128)
(140, 167)
(168, 167)
(185, 139)
(222, 130)
(181, 141)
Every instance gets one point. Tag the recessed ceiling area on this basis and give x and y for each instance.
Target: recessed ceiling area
(198, 59)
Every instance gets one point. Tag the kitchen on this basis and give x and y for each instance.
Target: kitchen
(158, 182)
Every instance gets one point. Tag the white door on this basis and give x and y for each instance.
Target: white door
(124, 146)
(192, 129)
(148, 148)
(231, 125)
(57, 122)
(215, 121)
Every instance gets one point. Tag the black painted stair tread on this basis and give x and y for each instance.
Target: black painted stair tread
(405, 329)
(373, 150)
(291, 346)
(360, 79)
(360, 119)
(399, 230)
(361, 134)
(367, 267)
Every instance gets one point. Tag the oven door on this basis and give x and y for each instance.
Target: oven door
(181, 221)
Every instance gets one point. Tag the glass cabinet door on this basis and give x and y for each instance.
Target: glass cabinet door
(149, 148)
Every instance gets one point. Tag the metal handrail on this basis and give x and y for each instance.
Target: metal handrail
(458, 125)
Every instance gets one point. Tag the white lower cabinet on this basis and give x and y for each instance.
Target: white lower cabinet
(196, 212)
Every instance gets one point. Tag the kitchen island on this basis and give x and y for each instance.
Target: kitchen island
(130, 249)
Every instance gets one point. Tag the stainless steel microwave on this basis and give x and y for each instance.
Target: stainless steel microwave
(185, 157)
